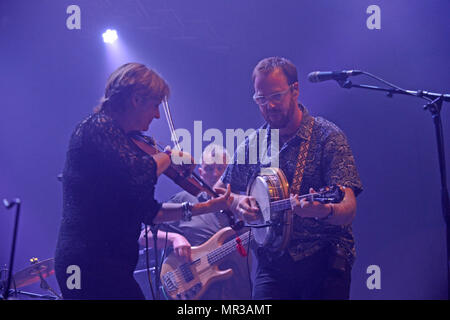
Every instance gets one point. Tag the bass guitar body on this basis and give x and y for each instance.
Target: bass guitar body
(183, 280)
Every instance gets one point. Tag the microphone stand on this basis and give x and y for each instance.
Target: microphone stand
(9, 205)
(434, 105)
(154, 229)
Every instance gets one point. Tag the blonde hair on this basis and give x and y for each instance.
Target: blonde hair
(128, 79)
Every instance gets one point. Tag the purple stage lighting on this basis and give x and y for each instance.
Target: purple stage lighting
(109, 36)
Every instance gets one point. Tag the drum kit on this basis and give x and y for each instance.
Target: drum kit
(38, 271)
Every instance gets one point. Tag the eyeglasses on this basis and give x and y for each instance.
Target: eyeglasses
(274, 97)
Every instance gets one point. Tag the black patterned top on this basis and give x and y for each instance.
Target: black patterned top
(329, 162)
(108, 191)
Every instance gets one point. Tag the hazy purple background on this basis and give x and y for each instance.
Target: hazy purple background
(52, 77)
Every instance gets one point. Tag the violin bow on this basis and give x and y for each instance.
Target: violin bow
(173, 134)
(236, 225)
(174, 139)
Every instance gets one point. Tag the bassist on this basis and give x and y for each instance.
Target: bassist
(183, 234)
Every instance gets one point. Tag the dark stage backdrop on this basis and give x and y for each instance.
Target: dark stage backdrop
(51, 78)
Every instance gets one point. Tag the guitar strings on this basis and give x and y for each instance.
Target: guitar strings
(229, 247)
(280, 204)
(212, 257)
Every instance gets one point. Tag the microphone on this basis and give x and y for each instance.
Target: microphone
(10, 204)
(318, 76)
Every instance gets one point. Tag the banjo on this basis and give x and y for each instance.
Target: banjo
(273, 227)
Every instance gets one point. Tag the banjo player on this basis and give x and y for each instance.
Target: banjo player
(317, 261)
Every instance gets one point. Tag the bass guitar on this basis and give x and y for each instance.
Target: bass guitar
(183, 280)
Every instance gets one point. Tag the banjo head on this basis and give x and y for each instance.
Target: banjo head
(268, 186)
(260, 191)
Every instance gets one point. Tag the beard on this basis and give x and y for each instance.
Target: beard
(278, 119)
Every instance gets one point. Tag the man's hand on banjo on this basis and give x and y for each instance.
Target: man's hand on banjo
(248, 208)
(306, 208)
(243, 207)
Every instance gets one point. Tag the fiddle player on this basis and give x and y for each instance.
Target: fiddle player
(108, 189)
(313, 153)
(184, 234)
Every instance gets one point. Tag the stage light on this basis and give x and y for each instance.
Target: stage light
(109, 36)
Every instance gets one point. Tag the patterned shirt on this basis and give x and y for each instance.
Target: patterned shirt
(329, 162)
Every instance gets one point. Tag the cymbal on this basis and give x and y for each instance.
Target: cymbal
(30, 274)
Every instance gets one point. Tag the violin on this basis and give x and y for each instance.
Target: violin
(182, 176)
(188, 180)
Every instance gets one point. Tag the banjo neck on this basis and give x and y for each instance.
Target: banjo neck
(287, 204)
(270, 189)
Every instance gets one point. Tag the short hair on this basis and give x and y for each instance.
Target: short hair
(128, 79)
(268, 65)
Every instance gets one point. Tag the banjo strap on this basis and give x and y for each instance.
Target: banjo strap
(301, 159)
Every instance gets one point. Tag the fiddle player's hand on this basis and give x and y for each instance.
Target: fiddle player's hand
(248, 208)
(182, 159)
(181, 247)
(223, 202)
(306, 208)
